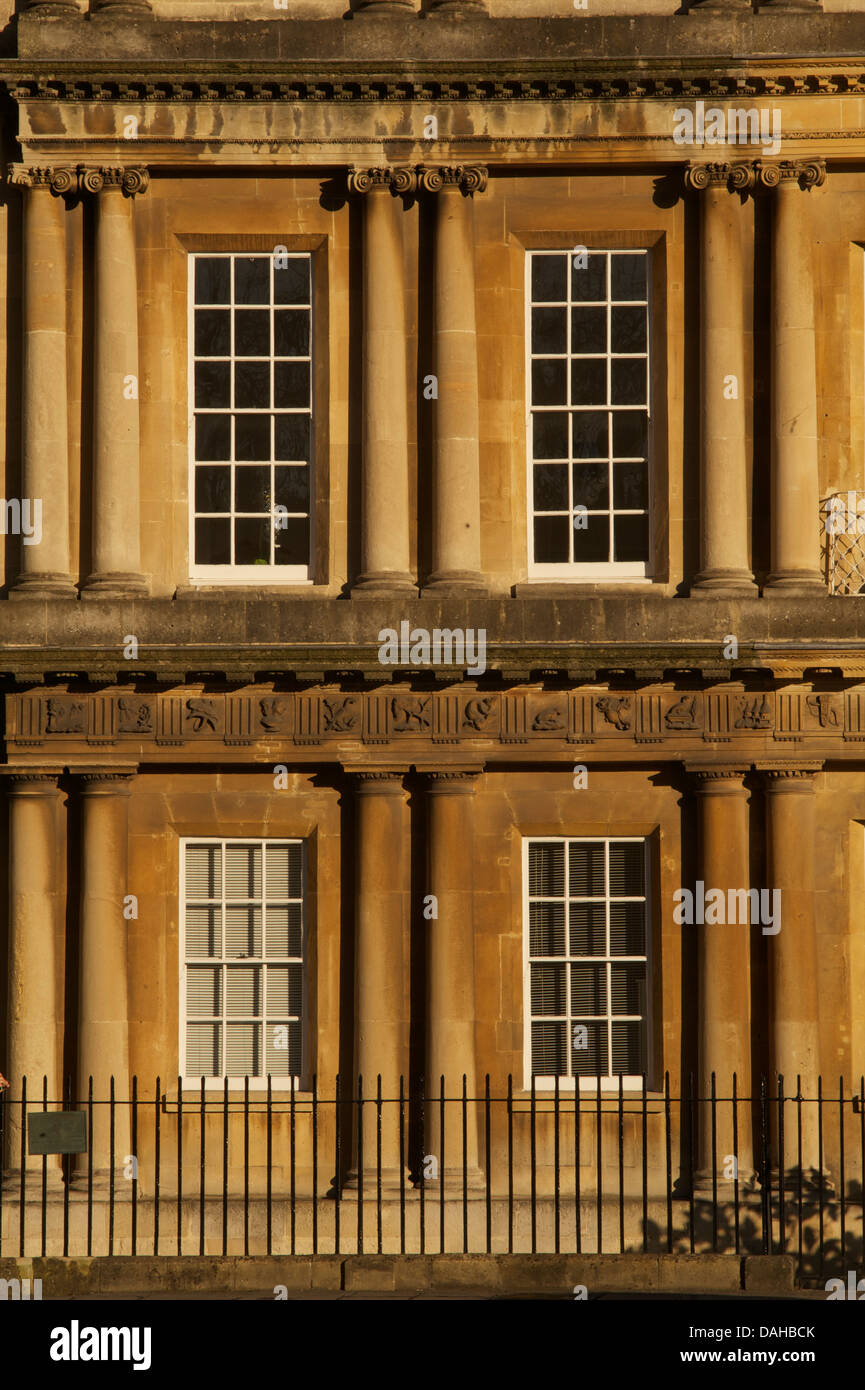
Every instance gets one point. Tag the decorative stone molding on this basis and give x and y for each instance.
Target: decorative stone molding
(60, 180)
(800, 772)
(704, 774)
(735, 177)
(377, 779)
(807, 173)
(130, 181)
(399, 180)
(32, 781)
(469, 178)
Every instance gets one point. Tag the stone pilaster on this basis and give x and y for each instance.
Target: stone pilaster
(795, 521)
(385, 563)
(381, 962)
(103, 1010)
(456, 547)
(724, 560)
(116, 541)
(34, 1047)
(723, 979)
(450, 957)
(794, 1035)
(45, 567)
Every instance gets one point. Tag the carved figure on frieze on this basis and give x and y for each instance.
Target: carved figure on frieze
(272, 715)
(478, 712)
(134, 716)
(203, 715)
(683, 714)
(616, 710)
(754, 714)
(340, 715)
(410, 713)
(551, 717)
(823, 709)
(65, 717)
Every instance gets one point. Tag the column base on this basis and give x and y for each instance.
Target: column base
(52, 9)
(458, 9)
(384, 7)
(721, 583)
(702, 1188)
(43, 585)
(456, 582)
(54, 1184)
(390, 1187)
(78, 1186)
(795, 584)
(117, 585)
(451, 1182)
(381, 583)
(811, 1180)
(124, 9)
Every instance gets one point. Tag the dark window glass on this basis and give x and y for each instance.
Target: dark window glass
(252, 437)
(252, 280)
(628, 276)
(291, 384)
(292, 437)
(628, 329)
(252, 540)
(292, 488)
(592, 539)
(251, 333)
(549, 278)
(292, 542)
(586, 869)
(591, 1060)
(549, 1049)
(628, 381)
(213, 541)
(630, 434)
(551, 539)
(589, 381)
(291, 284)
(212, 280)
(630, 486)
(213, 436)
(251, 385)
(549, 330)
(291, 333)
(252, 489)
(589, 283)
(551, 487)
(550, 435)
(212, 333)
(590, 434)
(212, 384)
(631, 537)
(213, 489)
(591, 486)
(549, 382)
(589, 330)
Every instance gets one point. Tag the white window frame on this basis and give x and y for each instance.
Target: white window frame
(573, 571)
(232, 574)
(235, 1083)
(588, 1083)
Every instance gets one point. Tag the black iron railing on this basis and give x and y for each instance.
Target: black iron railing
(351, 1170)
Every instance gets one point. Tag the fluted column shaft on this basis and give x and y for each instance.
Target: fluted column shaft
(45, 570)
(385, 563)
(795, 483)
(381, 960)
(103, 1012)
(450, 956)
(723, 977)
(116, 542)
(456, 552)
(724, 562)
(794, 1035)
(36, 958)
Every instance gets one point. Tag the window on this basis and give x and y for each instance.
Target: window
(588, 417)
(242, 944)
(251, 416)
(586, 959)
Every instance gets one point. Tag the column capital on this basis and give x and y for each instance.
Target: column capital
(105, 178)
(707, 775)
(377, 779)
(399, 179)
(468, 178)
(105, 781)
(790, 776)
(737, 178)
(31, 781)
(453, 780)
(807, 173)
(57, 179)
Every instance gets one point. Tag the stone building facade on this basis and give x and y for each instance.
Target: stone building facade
(433, 575)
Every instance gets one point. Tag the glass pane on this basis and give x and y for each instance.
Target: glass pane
(588, 929)
(628, 1050)
(243, 1049)
(203, 931)
(252, 385)
(590, 1060)
(212, 489)
(549, 1049)
(285, 990)
(212, 280)
(590, 434)
(252, 438)
(549, 381)
(550, 491)
(284, 868)
(591, 539)
(627, 929)
(548, 989)
(549, 277)
(589, 282)
(282, 1057)
(292, 542)
(284, 930)
(546, 929)
(291, 333)
(551, 540)
(291, 384)
(549, 330)
(588, 989)
(292, 487)
(212, 332)
(291, 283)
(589, 381)
(630, 434)
(204, 871)
(213, 436)
(203, 990)
(628, 989)
(628, 277)
(292, 437)
(589, 330)
(202, 1049)
(631, 538)
(243, 991)
(592, 486)
(546, 869)
(550, 436)
(628, 381)
(252, 280)
(252, 541)
(631, 486)
(586, 869)
(628, 330)
(213, 542)
(252, 489)
(212, 385)
(242, 871)
(252, 333)
(242, 932)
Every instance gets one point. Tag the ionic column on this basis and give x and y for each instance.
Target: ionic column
(103, 1011)
(381, 962)
(450, 957)
(116, 540)
(36, 956)
(456, 544)
(723, 978)
(385, 562)
(724, 564)
(795, 523)
(794, 1036)
(44, 445)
